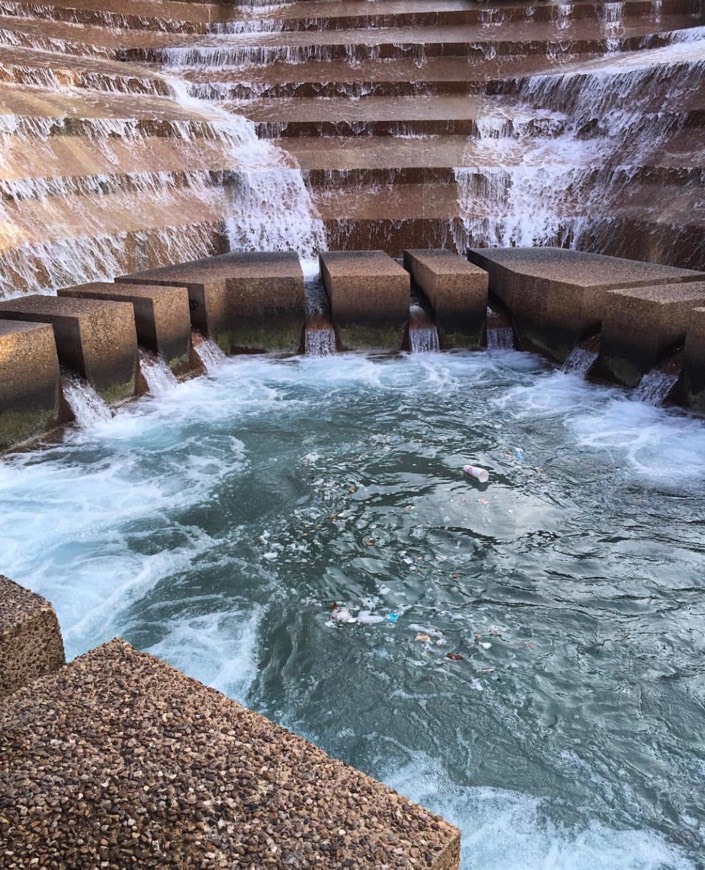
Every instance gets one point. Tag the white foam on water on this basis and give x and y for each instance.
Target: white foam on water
(664, 448)
(504, 830)
(219, 649)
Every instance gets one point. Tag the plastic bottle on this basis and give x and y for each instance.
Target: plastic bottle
(478, 473)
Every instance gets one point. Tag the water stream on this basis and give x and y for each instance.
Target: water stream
(86, 405)
(216, 524)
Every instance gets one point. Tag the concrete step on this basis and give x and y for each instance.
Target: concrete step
(394, 116)
(538, 38)
(328, 14)
(44, 69)
(378, 78)
(167, 16)
(119, 725)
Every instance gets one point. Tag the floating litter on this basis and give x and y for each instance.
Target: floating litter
(480, 474)
(393, 617)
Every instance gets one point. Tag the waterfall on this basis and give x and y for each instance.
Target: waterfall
(106, 169)
(86, 405)
(423, 335)
(320, 339)
(158, 376)
(605, 118)
(655, 386)
(579, 361)
(208, 352)
(500, 333)
(270, 206)
(319, 332)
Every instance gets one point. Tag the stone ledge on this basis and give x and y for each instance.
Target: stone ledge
(641, 324)
(245, 302)
(557, 296)
(161, 316)
(457, 291)
(95, 338)
(122, 759)
(30, 384)
(30, 640)
(369, 297)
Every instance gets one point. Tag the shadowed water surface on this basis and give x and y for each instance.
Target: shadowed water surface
(216, 525)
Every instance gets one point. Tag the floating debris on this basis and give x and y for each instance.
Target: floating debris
(340, 613)
(423, 638)
(393, 617)
(455, 657)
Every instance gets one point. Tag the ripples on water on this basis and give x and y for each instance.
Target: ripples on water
(216, 524)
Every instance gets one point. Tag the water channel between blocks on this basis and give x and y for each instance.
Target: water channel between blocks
(526, 655)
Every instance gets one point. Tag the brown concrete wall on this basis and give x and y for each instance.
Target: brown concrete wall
(30, 639)
(457, 291)
(642, 324)
(95, 338)
(369, 298)
(162, 316)
(693, 377)
(245, 302)
(556, 296)
(29, 381)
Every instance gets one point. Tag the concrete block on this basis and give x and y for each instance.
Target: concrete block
(162, 316)
(30, 638)
(457, 290)
(639, 325)
(556, 296)
(95, 338)
(29, 381)
(369, 297)
(694, 361)
(180, 776)
(245, 302)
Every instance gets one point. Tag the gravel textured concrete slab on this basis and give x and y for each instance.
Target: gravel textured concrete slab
(557, 296)
(30, 641)
(641, 324)
(161, 316)
(122, 761)
(243, 301)
(369, 297)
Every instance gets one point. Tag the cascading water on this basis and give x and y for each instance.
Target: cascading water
(86, 405)
(423, 335)
(612, 116)
(209, 354)
(579, 361)
(131, 192)
(654, 387)
(319, 334)
(157, 375)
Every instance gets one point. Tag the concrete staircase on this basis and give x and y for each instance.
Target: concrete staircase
(415, 124)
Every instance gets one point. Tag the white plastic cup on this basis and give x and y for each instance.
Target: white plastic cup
(480, 474)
